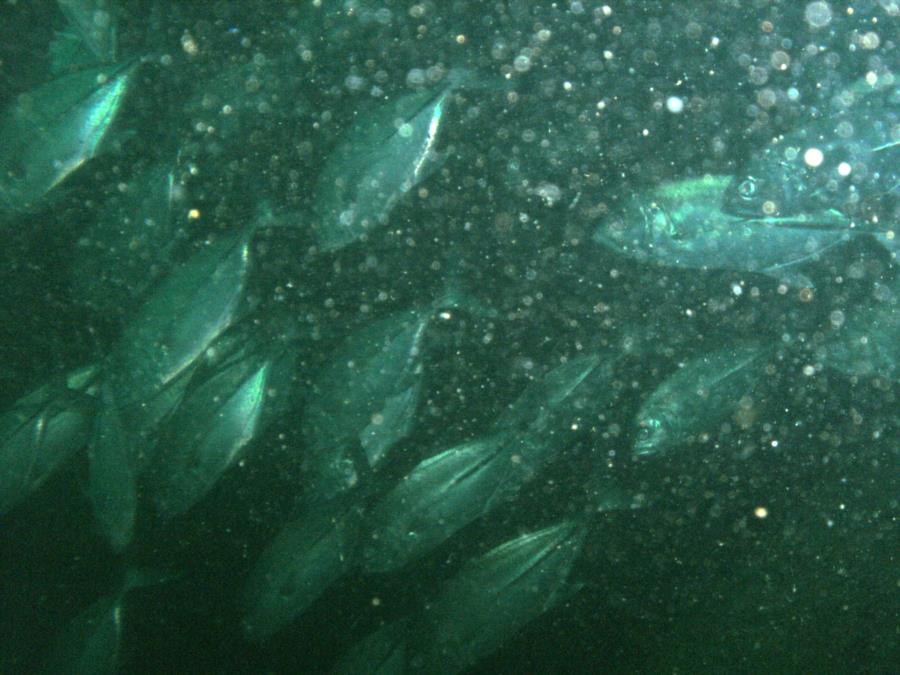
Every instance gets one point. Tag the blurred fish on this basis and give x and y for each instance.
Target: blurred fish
(440, 496)
(241, 386)
(453, 488)
(493, 597)
(42, 430)
(681, 224)
(113, 459)
(704, 392)
(48, 133)
(91, 37)
(365, 400)
(841, 168)
(382, 157)
(150, 366)
(380, 653)
(303, 560)
(92, 643)
(128, 246)
(545, 395)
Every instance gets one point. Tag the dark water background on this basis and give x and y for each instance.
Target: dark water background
(697, 583)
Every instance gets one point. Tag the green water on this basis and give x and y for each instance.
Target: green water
(769, 543)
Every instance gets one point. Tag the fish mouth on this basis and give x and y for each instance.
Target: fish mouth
(645, 447)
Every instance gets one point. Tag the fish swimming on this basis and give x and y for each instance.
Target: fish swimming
(682, 224)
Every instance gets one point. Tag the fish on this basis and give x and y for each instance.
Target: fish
(383, 156)
(839, 170)
(113, 464)
(149, 367)
(380, 653)
(493, 597)
(364, 400)
(458, 485)
(163, 339)
(92, 643)
(306, 556)
(230, 400)
(90, 37)
(681, 224)
(704, 392)
(440, 496)
(129, 245)
(47, 134)
(43, 430)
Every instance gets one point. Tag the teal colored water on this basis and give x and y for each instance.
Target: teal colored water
(449, 336)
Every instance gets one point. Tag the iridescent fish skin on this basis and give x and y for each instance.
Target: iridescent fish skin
(682, 224)
(229, 402)
(49, 133)
(41, 431)
(381, 158)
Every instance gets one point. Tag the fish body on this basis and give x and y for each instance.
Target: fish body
(364, 401)
(456, 486)
(162, 342)
(867, 343)
(703, 393)
(91, 36)
(382, 157)
(493, 597)
(304, 558)
(682, 224)
(128, 245)
(52, 131)
(92, 643)
(41, 431)
(226, 406)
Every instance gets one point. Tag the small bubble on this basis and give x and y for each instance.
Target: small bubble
(818, 14)
(674, 104)
(836, 318)
(813, 157)
(522, 63)
(416, 77)
(844, 169)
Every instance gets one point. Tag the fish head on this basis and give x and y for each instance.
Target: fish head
(767, 189)
(655, 433)
(643, 226)
(667, 222)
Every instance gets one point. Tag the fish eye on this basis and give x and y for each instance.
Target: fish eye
(647, 428)
(746, 189)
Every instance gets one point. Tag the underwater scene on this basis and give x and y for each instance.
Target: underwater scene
(464, 336)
